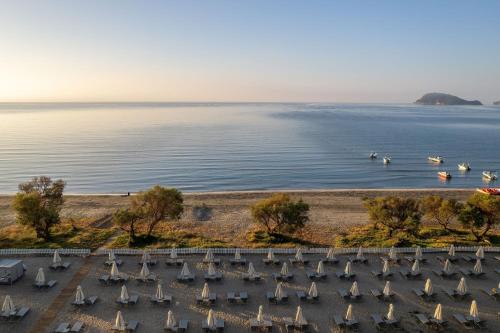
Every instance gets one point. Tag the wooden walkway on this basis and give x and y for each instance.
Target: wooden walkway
(47, 318)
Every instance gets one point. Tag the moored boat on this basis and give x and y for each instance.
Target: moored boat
(464, 166)
(387, 159)
(444, 175)
(436, 159)
(373, 155)
(489, 175)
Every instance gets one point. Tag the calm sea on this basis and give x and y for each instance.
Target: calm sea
(115, 148)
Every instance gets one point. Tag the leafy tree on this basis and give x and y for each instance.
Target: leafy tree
(480, 214)
(280, 213)
(158, 204)
(38, 203)
(394, 213)
(439, 210)
(126, 219)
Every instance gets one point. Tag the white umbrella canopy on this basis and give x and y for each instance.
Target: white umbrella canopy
(120, 322)
(462, 287)
(313, 290)
(124, 294)
(298, 255)
(170, 323)
(480, 252)
(8, 306)
(114, 270)
(359, 255)
(418, 253)
(392, 253)
(40, 276)
(478, 268)
(79, 296)
(251, 270)
(159, 292)
(451, 252)
(387, 289)
(386, 269)
(447, 266)
(331, 253)
(321, 268)
(390, 312)
(279, 293)
(284, 269)
(270, 254)
(438, 312)
(415, 268)
(111, 256)
(211, 320)
(348, 268)
(237, 254)
(185, 270)
(354, 289)
(349, 316)
(211, 269)
(173, 253)
(428, 287)
(209, 256)
(205, 293)
(57, 258)
(144, 270)
(299, 317)
(474, 312)
(260, 314)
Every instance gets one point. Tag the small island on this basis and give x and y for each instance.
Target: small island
(496, 103)
(444, 99)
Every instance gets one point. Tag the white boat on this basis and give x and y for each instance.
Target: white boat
(464, 166)
(489, 175)
(373, 155)
(444, 175)
(436, 159)
(387, 159)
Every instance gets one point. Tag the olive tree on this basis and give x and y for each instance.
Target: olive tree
(126, 220)
(480, 214)
(439, 210)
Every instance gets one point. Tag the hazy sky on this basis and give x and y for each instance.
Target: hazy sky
(236, 50)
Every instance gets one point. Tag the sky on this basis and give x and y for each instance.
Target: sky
(253, 50)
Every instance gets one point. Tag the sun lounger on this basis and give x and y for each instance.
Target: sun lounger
(132, 325)
(262, 326)
(219, 326)
(87, 301)
(212, 297)
(411, 259)
(389, 259)
(331, 261)
(104, 279)
(182, 326)
(407, 274)
(118, 279)
(151, 262)
(471, 259)
(378, 321)
(62, 328)
(348, 324)
(420, 293)
(302, 296)
(382, 275)
(22, 312)
(497, 270)
(215, 277)
(256, 277)
(347, 295)
(450, 258)
(174, 262)
(149, 278)
(492, 293)
(422, 318)
(339, 321)
(235, 297)
(453, 294)
(60, 266)
(471, 273)
(355, 260)
(118, 262)
(281, 277)
(189, 278)
(77, 327)
(343, 276)
(381, 296)
(315, 276)
(241, 261)
(131, 301)
(463, 321)
(167, 299)
(445, 275)
(49, 284)
(272, 299)
(215, 261)
(292, 326)
(268, 261)
(294, 261)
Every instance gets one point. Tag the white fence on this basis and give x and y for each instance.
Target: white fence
(44, 252)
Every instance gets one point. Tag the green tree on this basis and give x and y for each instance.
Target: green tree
(480, 214)
(126, 220)
(439, 210)
(38, 203)
(394, 213)
(280, 213)
(158, 204)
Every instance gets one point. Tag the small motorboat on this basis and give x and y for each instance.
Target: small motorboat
(489, 175)
(373, 155)
(387, 159)
(489, 190)
(436, 159)
(464, 166)
(444, 175)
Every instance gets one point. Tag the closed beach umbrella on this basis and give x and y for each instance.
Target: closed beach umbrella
(124, 294)
(451, 252)
(348, 268)
(313, 290)
(447, 266)
(478, 268)
(144, 270)
(114, 270)
(354, 289)
(146, 257)
(111, 256)
(474, 312)
(349, 315)
(299, 317)
(462, 287)
(57, 258)
(331, 253)
(359, 255)
(438, 313)
(387, 289)
(79, 296)
(211, 269)
(260, 314)
(415, 268)
(173, 253)
(185, 270)
(251, 270)
(159, 292)
(298, 255)
(284, 269)
(428, 287)
(8, 306)
(205, 293)
(237, 254)
(321, 268)
(386, 269)
(480, 253)
(170, 320)
(40, 276)
(211, 320)
(270, 255)
(392, 253)
(209, 256)
(279, 293)
(418, 253)
(390, 312)
(120, 322)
